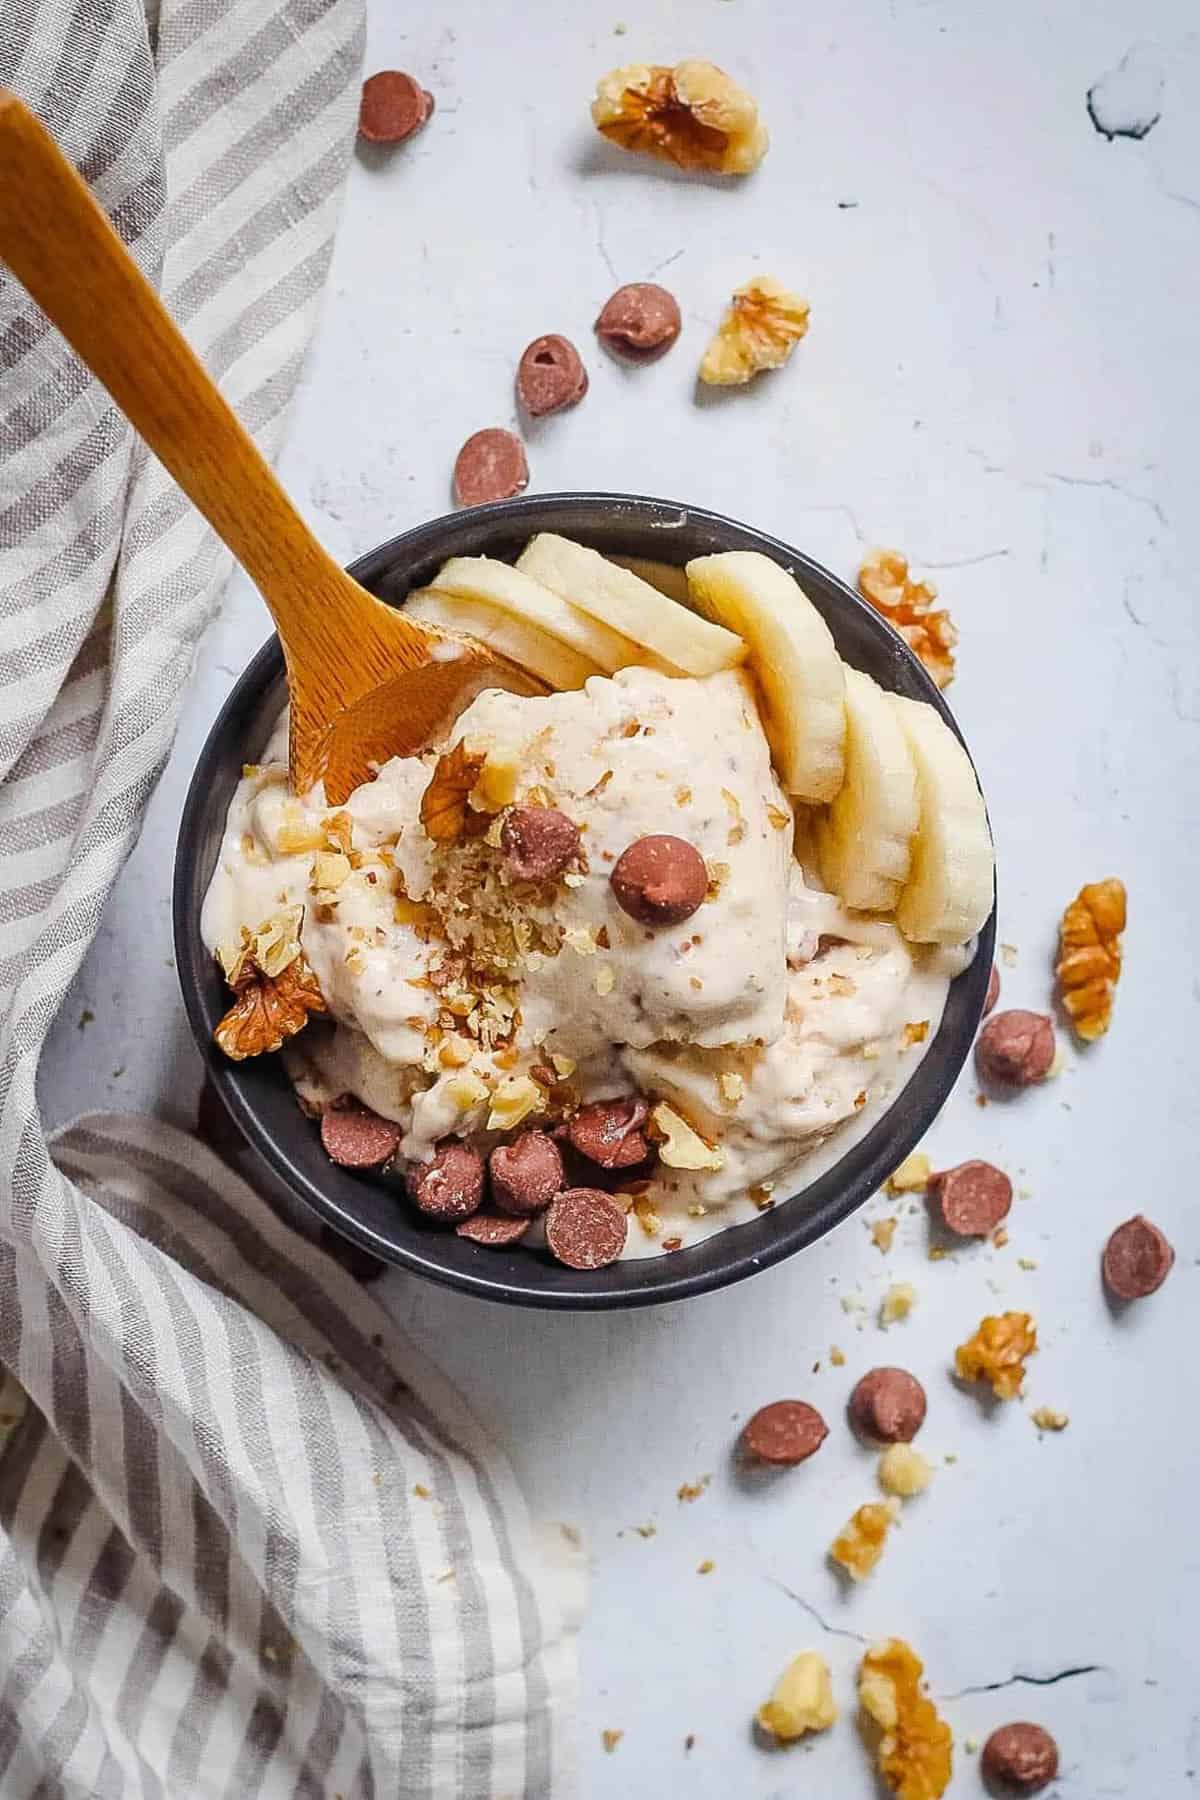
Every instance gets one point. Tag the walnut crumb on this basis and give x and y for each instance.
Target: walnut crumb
(882, 1233)
(1046, 1418)
(692, 1490)
(896, 1304)
(802, 1700)
(610, 1739)
(706, 1567)
(996, 1353)
(912, 1177)
(904, 1471)
(837, 1357)
(913, 1746)
(761, 328)
(859, 1545)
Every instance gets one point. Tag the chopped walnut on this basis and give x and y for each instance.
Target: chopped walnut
(679, 1146)
(692, 1490)
(897, 1303)
(915, 1032)
(692, 115)
(444, 802)
(997, 1352)
(914, 1752)
(1089, 956)
(859, 1545)
(1047, 1418)
(610, 1739)
(907, 605)
(268, 1008)
(912, 1177)
(882, 1233)
(762, 327)
(802, 1700)
(904, 1471)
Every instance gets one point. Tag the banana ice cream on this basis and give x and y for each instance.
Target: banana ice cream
(566, 975)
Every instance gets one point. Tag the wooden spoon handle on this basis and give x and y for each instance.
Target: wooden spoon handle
(59, 244)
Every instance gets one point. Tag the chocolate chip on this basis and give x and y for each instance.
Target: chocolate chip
(490, 466)
(888, 1406)
(972, 1197)
(550, 376)
(1020, 1758)
(659, 880)
(451, 1186)
(609, 1132)
(785, 1433)
(993, 991)
(392, 108)
(641, 321)
(526, 1174)
(493, 1228)
(585, 1229)
(539, 842)
(1137, 1259)
(1016, 1048)
(354, 1137)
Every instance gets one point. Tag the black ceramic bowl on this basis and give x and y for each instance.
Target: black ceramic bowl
(257, 1093)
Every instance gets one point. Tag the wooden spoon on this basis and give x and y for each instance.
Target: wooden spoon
(365, 682)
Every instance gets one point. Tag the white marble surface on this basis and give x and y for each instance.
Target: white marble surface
(1001, 378)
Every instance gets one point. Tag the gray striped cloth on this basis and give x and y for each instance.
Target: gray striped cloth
(249, 1542)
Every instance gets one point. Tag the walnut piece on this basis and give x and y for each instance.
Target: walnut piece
(802, 1700)
(896, 1304)
(859, 1545)
(679, 1146)
(444, 802)
(904, 1471)
(997, 1353)
(1089, 956)
(268, 1008)
(1048, 1418)
(912, 1177)
(907, 606)
(762, 327)
(692, 115)
(914, 1753)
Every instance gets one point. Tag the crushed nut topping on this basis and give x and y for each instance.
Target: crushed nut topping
(444, 802)
(997, 1351)
(802, 1700)
(760, 330)
(1089, 956)
(274, 987)
(897, 1303)
(903, 1471)
(882, 1233)
(859, 1545)
(692, 1490)
(907, 605)
(679, 1146)
(692, 115)
(912, 1177)
(914, 1752)
(1047, 1418)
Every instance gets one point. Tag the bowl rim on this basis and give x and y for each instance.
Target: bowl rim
(872, 1158)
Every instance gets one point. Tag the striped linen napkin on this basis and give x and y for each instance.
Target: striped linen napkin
(249, 1542)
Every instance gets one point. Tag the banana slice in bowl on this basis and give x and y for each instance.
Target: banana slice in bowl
(864, 837)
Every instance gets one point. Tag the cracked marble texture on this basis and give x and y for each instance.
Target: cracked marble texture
(1001, 379)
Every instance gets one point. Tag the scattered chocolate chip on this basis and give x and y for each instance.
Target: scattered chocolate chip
(1021, 1758)
(393, 106)
(993, 991)
(659, 880)
(888, 1406)
(492, 1228)
(785, 1433)
(1137, 1259)
(972, 1197)
(1016, 1048)
(609, 1132)
(550, 376)
(490, 466)
(451, 1186)
(641, 321)
(526, 1174)
(539, 842)
(354, 1137)
(585, 1229)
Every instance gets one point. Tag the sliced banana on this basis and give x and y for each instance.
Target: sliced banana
(498, 584)
(948, 894)
(669, 578)
(525, 644)
(863, 839)
(686, 644)
(794, 658)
